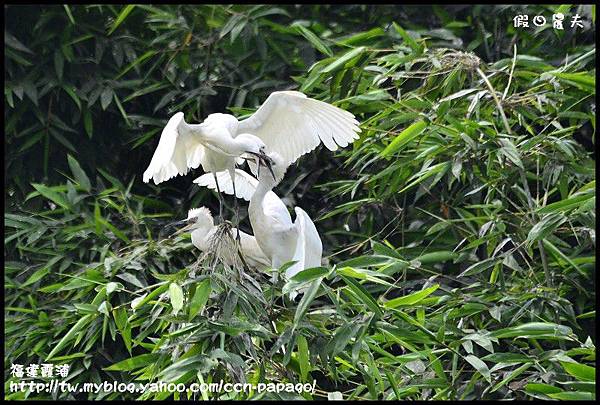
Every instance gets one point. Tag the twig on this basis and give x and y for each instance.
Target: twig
(493, 92)
(547, 274)
(512, 69)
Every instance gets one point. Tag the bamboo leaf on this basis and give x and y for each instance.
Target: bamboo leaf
(312, 38)
(303, 357)
(122, 323)
(121, 17)
(306, 300)
(407, 38)
(536, 330)
(70, 335)
(404, 138)
(80, 176)
(200, 298)
(134, 362)
(480, 366)
(344, 59)
(545, 227)
(580, 371)
(363, 295)
(411, 299)
(176, 296)
(52, 195)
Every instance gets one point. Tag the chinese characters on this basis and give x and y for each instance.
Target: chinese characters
(522, 21)
(37, 370)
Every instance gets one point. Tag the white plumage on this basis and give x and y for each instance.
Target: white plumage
(184, 146)
(291, 124)
(280, 239)
(288, 123)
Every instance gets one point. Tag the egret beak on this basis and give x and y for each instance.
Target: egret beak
(176, 223)
(268, 164)
(256, 161)
(265, 160)
(185, 228)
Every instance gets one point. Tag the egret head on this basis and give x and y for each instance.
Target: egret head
(200, 218)
(276, 169)
(251, 144)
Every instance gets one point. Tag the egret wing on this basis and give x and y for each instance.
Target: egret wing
(292, 124)
(312, 240)
(309, 247)
(252, 252)
(245, 184)
(176, 153)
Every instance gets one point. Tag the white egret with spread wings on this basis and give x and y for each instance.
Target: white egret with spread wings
(288, 123)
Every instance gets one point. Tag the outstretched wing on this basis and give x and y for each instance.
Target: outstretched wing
(177, 152)
(245, 184)
(292, 124)
(309, 247)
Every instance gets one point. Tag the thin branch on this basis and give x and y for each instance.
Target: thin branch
(512, 69)
(493, 92)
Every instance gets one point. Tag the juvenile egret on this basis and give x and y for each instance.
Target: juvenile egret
(205, 233)
(280, 239)
(288, 123)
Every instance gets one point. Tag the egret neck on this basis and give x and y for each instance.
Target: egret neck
(261, 208)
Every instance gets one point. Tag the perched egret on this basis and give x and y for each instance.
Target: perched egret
(288, 123)
(205, 235)
(280, 239)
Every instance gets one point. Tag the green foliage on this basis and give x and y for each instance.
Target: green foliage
(459, 227)
(89, 73)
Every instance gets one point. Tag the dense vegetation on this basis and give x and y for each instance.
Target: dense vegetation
(459, 228)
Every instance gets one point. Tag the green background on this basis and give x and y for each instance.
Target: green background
(459, 229)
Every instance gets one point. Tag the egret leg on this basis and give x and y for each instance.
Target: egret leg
(241, 256)
(236, 208)
(220, 197)
(238, 239)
